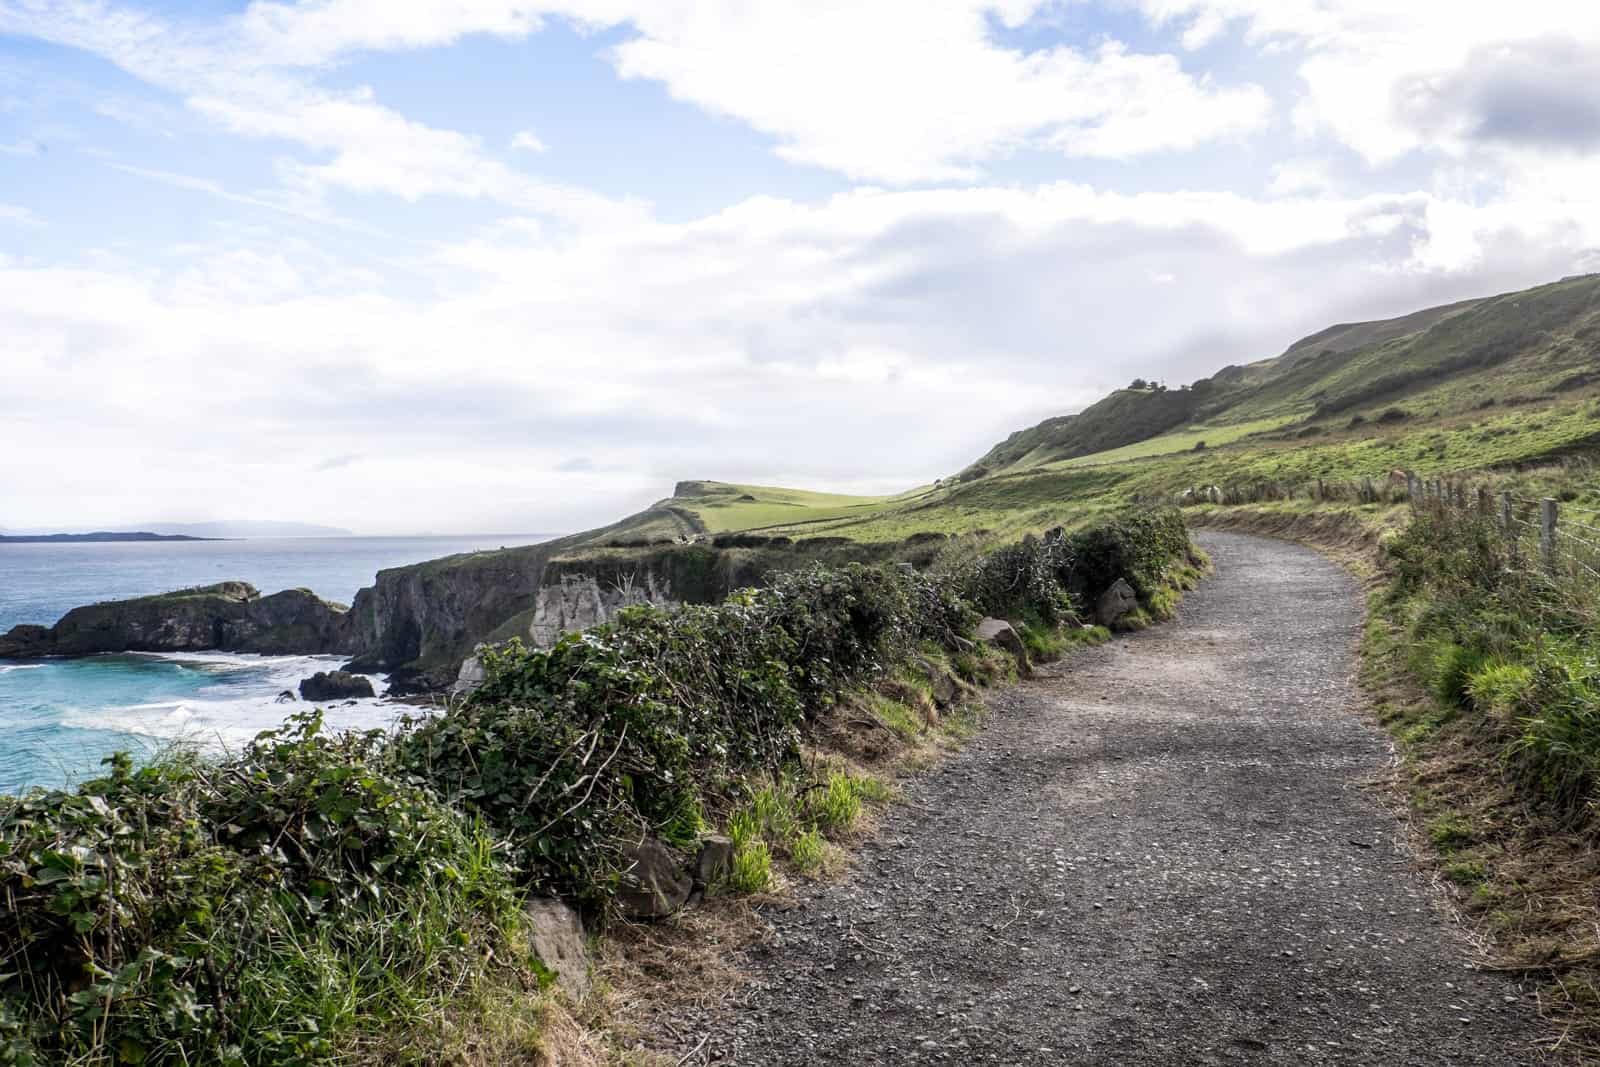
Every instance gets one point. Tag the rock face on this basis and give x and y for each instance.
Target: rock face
(556, 934)
(1115, 602)
(578, 601)
(421, 621)
(655, 885)
(228, 616)
(1000, 633)
(335, 685)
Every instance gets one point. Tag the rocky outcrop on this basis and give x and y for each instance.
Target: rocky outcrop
(555, 933)
(419, 622)
(1003, 635)
(578, 601)
(228, 616)
(1115, 602)
(654, 884)
(335, 685)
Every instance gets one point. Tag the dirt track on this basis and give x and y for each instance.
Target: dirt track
(1168, 850)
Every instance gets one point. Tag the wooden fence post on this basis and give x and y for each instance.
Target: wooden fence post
(1547, 533)
(1483, 501)
(1506, 519)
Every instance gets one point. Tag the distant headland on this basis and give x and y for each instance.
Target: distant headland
(97, 536)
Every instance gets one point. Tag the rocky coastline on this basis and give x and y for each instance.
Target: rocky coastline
(225, 617)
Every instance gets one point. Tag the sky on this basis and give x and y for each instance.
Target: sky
(510, 265)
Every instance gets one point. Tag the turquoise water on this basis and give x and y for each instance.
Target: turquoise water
(60, 718)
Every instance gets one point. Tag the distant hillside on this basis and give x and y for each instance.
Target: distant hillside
(1532, 346)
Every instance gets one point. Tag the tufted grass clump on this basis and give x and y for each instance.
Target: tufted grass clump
(808, 850)
(837, 807)
(752, 859)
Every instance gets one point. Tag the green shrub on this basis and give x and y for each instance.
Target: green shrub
(1451, 671)
(1500, 688)
(272, 908)
(1507, 642)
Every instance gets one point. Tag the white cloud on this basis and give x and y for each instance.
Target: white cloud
(896, 91)
(528, 141)
(228, 74)
(924, 324)
(910, 92)
(1387, 78)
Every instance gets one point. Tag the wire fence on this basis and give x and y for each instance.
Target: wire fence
(1560, 540)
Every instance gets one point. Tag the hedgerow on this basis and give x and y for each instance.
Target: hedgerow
(318, 898)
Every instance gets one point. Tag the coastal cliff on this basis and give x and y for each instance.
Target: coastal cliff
(419, 624)
(228, 616)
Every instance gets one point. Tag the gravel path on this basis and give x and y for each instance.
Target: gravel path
(1167, 850)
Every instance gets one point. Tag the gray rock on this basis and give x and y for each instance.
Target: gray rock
(471, 675)
(946, 690)
(556, 934)
(714, 861)
(655, 884)
(335, 685)
(1001, 634)
(1115, 602)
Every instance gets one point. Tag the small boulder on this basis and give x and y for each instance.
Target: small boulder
(335, 685)
(556, 934)
(285, 697)
(1001, 634)
(654, 884)
(1115, 602)
(946, 690)
(714, 862)
(471, 675)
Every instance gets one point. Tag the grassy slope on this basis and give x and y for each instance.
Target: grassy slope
(1485, 383)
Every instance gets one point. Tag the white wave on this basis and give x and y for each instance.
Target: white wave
(226, 724)
(7, 669)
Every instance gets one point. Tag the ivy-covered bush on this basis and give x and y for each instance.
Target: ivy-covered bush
(232, 912)
(1023, 580)
(1139, 546)
(626, 729)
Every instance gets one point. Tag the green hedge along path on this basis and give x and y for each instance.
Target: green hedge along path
(1164, 850)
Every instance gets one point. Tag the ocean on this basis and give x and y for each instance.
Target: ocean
(60, 718)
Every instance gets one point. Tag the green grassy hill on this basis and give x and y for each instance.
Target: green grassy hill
(1488, 383)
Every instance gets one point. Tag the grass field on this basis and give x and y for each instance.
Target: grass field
(1180, 441)
(1073, 492)
(723, 507)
